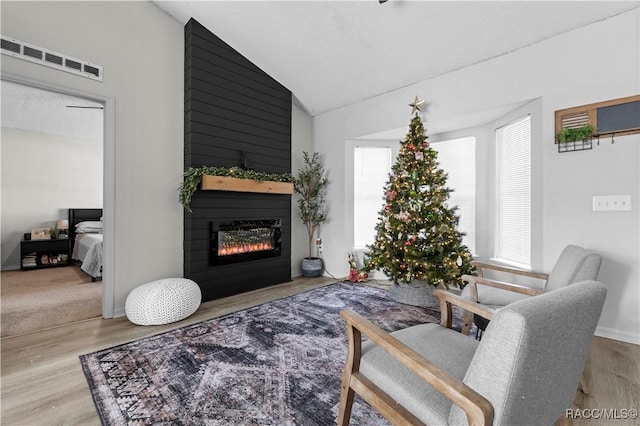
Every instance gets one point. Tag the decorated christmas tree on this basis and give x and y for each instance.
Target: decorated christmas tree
(417, 235)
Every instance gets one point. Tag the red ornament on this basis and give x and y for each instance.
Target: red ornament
(403, 266)
(407, 243)
(387, 207)
(411, 146)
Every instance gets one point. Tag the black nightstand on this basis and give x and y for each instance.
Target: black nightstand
(38, 254)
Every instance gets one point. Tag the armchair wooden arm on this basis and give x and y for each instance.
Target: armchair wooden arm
(448, 299)
(481, 266)
(473, 281)
(478, 409)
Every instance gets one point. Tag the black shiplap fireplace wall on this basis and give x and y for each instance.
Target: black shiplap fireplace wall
(234, 112)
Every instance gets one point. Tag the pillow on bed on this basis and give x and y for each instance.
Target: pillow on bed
(89, 227)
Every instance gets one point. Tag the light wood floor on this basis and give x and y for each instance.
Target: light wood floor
(42, 381)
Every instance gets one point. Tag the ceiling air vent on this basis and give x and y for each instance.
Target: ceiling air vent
(49, 58)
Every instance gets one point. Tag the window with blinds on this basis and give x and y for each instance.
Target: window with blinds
(371, 168)
(457, 157)
(513, 193)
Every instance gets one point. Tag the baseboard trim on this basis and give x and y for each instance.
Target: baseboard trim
(624, 336)
(10, 268)
(119, 313)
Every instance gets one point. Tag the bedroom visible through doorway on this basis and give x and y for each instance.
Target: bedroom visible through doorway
(52, 152)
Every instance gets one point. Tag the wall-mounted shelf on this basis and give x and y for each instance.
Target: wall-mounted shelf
(609, 118)
(225, 183)
(575, 146)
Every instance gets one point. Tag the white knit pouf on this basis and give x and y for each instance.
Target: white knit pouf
(163, 301)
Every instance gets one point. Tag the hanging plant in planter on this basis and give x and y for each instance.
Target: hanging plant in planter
(583, 133)
(418, 244)
(193, 177)
(311, 183)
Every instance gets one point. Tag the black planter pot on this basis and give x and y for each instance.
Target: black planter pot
(311, 267)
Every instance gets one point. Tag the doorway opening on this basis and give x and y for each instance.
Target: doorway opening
(64, 163)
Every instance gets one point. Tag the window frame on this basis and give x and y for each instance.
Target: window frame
(453, 139)
(501, 257)
(349, 218)
(533, 108)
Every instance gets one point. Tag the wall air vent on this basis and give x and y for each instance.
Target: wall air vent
(54, 59)
(32, 53)
(49, 58)
(573, 121)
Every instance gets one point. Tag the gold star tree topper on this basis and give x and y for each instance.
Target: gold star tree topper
(416, 105)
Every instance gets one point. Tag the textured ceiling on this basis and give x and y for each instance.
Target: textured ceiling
(28, 108)
(335, 53)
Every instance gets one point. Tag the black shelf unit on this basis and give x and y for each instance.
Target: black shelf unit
(40, 254)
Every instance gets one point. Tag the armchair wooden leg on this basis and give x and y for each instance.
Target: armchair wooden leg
(354, 352)
(583, 383)
(564, 420)
(346, 402)
(466, 322)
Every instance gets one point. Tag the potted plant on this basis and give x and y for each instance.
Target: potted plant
(311, 183)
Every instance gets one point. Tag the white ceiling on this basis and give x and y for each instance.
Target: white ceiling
(37, 110)
(335, 53)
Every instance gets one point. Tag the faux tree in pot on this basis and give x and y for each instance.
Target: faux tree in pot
(311, 184)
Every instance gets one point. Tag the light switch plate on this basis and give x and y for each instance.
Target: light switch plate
(608, 203)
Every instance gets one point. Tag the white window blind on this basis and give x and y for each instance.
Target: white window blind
(370, 173)
(513, 193)
(457, 157)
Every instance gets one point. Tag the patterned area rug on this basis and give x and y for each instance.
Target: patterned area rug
(279, 363)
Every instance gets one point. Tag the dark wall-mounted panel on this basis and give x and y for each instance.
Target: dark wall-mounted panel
(233, 111)
(616, 118)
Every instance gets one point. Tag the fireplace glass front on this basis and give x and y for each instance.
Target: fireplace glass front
(244, 240)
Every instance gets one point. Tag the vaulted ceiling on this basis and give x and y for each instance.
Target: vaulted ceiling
(335, 53)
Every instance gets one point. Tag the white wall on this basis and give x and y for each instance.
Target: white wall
(141, 50)
(42, 177)
(568, 70)
(300, 141)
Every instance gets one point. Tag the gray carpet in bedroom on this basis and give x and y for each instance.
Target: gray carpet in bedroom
(44, 298)
(279, 363)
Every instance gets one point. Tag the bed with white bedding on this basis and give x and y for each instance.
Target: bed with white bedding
(88, 250)
(85, 234)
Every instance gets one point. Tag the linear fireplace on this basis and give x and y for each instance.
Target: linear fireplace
(244, 240)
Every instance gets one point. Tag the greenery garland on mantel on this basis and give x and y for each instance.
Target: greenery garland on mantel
(193, 177)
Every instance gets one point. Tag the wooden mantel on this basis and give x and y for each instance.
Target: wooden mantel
(225, 183)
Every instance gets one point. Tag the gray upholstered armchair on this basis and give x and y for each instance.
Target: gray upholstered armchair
(525, 370)
(575, 264)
